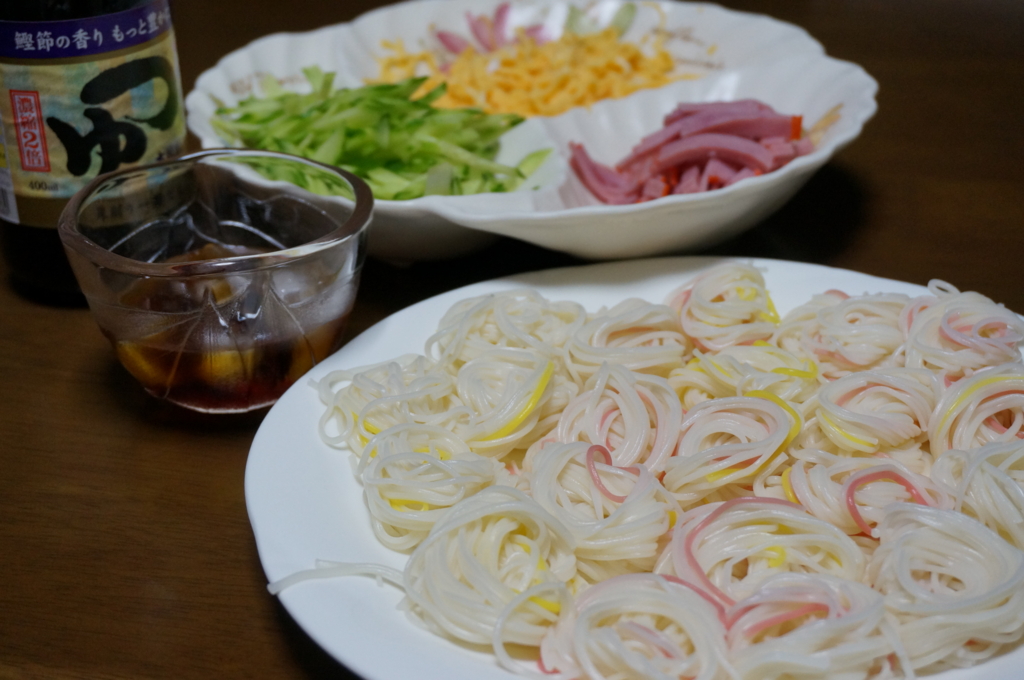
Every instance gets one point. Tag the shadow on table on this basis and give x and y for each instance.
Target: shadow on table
(817, 224)
(314, 661)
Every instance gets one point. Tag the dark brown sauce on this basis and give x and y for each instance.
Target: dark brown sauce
(229, 379)
(216, 361)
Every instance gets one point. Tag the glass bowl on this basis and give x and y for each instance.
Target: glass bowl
(220, 277)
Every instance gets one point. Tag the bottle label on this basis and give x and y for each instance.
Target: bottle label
(83, 97)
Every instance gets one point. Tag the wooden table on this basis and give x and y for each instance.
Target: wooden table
(125, 550)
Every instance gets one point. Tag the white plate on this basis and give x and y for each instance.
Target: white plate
(305, 504)
(739, 55)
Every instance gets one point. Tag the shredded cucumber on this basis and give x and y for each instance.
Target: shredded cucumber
(403, 147)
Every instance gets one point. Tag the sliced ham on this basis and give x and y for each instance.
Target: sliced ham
(452, 42)
(701, 147)
(689, 182)
(744, 120)
(803, 146)
(655, 187)
(501, 25)
(742, 174)
(742, 152)
(537, 33)
(483, 30)
(716, 174)
(782, 151)
(685, 109)
(602, 181)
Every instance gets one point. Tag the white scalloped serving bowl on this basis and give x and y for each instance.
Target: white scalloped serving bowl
(737, 55)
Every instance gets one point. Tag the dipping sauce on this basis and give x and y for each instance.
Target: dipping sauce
(229, 343)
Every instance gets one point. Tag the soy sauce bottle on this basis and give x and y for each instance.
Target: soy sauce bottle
(86, 87)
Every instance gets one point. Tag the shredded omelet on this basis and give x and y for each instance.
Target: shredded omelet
(533, 79)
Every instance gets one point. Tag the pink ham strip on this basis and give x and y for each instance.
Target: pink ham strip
(716, 174)
(602, 181)
(500, 25)
(754, 127)
(782, 151)
(803, 146)
(653, 188)
(744, 115)
(745, 173)
(537, 34)
(714, 145)
(742, 152)
(453, 43)
(482, 30)
(684, 110)
(689, 183)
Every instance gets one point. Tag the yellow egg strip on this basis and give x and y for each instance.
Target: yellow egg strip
(969, 392)
(402, 504)
(553, 607)
(844, 433)
(787, 486)
(794, 429)
(542, 566)
(725, 472)
(372, 429)
(810, 374)
(746, 294)
(538, 392)
(780, 556)
(547, 79)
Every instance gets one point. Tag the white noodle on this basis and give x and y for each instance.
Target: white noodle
(700, 489)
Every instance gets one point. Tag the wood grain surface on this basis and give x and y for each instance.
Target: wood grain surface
(125, 549)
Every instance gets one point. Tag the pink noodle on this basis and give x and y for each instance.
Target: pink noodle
(910, 311)
(691, 559)
(753, 631)
(653, 637)
(680, 300)
(866, 477)
(994, 423)
(597, 448)
(853, 393)
(710, 599)
(544, 669)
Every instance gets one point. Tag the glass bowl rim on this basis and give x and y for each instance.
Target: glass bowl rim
(361, 217)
